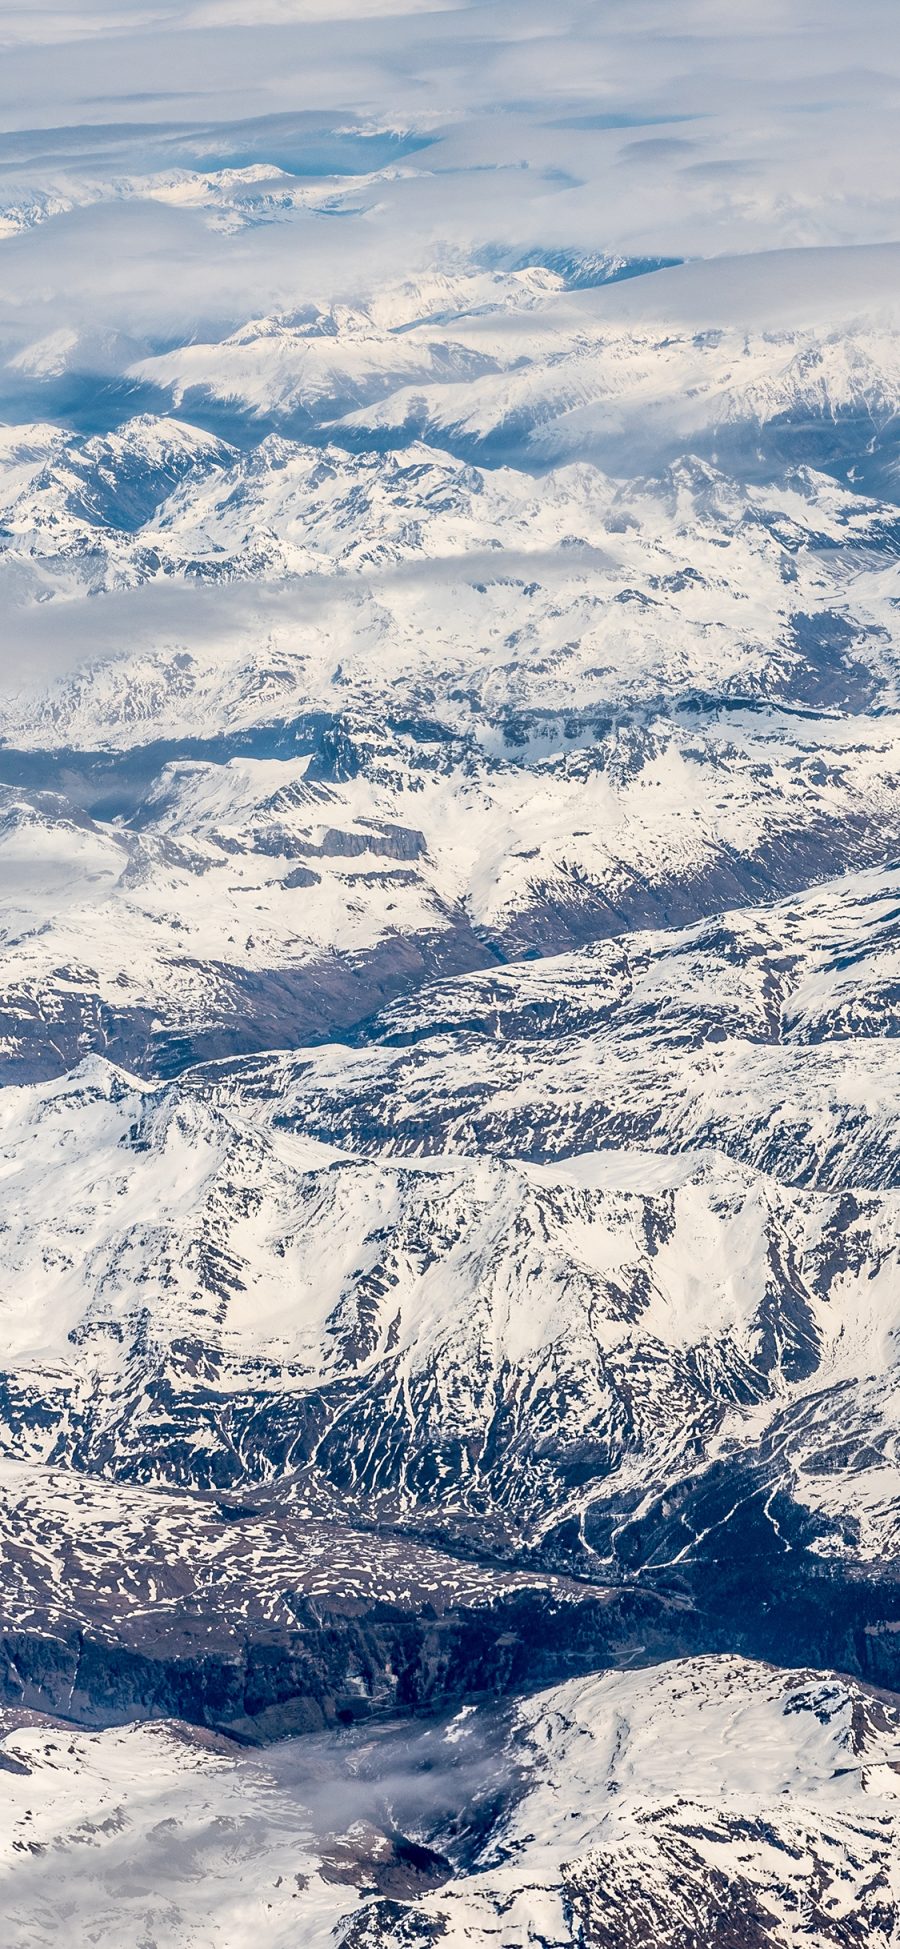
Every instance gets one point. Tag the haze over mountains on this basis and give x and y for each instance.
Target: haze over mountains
(449, 900)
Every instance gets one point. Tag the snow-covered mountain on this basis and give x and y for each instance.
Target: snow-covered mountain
(709, 1800)
(450, 985)
(546, 1320)
(454, 715)
(590, 1263)
(686, 357)
(446, 1276)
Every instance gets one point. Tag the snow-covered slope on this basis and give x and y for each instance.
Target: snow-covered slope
(211, 900)
(694, 355)
(595, 1256)
(610, 705)
(574, 593)
(217, 1303)
(710, 1800)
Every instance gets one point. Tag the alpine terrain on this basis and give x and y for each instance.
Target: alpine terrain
(450, 975)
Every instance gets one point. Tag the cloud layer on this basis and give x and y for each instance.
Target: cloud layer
(431, 129)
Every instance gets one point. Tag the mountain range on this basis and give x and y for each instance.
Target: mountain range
(450, 1124)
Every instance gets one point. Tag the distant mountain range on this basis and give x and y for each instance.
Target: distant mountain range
(450, 1259)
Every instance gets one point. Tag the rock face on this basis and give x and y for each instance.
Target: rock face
(257, 1619)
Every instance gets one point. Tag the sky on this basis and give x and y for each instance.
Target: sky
(627, 126)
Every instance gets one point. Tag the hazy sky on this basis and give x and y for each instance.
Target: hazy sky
(635, 126)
